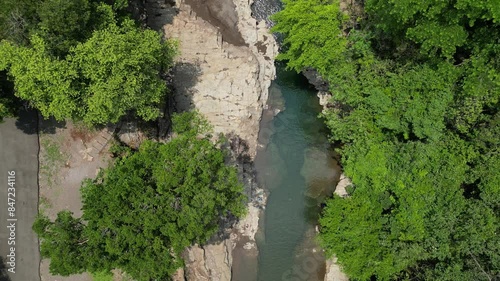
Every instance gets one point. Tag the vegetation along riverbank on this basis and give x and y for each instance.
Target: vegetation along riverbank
(415, 90)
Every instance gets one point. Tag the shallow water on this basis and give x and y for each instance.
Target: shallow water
(299, 170)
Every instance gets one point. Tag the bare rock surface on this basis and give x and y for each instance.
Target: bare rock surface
(225, 80)
(344, 182)
(325, 99)
(211, 262)
(131, 135)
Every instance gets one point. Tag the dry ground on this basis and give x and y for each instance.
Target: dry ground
(68, 154)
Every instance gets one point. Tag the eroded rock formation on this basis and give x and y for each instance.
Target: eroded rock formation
(223, 71)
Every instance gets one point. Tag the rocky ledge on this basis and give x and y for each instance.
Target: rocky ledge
(225, 66)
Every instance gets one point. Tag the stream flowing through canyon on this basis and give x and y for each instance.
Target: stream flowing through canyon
(297, 167)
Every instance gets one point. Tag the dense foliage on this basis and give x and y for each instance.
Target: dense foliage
(17, 19)
(81, 61)
(8, 102)
(415, 87)
(319, 48)
(141, 213)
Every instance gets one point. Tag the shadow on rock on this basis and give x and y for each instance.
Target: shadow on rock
(160, 13)
(28, 121)
(221, 14)
(185, 77)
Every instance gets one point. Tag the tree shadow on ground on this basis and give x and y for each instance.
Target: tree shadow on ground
(27, 121)
(51, 125)
(3, 271)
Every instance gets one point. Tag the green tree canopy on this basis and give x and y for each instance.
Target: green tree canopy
(63, 241)
(410, 217)
(122, 66)
(17, 19)
(313, 34)
(440, 27)
(142, 212)
(116, 71)
(389, 101)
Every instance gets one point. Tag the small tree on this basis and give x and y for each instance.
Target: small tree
(313, 34)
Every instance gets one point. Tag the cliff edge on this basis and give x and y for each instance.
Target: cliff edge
(224, 70)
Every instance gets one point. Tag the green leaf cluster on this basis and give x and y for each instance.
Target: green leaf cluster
(64, 23)
(114, 72)
(415, 107)
(17, 19)
(82, 60)
(312, 33)
(441, 28)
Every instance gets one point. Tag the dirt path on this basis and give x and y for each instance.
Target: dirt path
(19, 153)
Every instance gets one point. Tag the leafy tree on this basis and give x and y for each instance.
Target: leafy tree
(45, 82)
(116, 5)
(478, 95)
(440, 27)
(116, 71)
(62, 241)
(408, 218)
(390, 101)
(190, 124)
(415, 106)
(141, 213)
(122, 66)
(119, 4)
(17, 19)
(313, 33)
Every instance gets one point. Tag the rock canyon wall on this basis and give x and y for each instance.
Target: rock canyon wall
(224, 69)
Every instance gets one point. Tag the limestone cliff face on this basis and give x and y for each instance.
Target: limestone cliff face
(211, 262)
(224, 69)
(226, 81)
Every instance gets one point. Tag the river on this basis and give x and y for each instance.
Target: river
(297, 167)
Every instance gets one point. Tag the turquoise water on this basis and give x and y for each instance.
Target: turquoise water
(298, 169)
